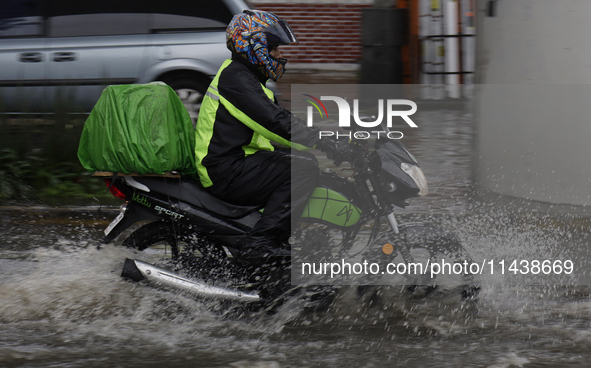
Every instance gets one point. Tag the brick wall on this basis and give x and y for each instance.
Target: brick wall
(329, 32)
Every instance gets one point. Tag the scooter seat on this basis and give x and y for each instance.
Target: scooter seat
(190, 191)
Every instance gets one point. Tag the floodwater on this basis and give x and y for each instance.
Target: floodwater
(63, 304)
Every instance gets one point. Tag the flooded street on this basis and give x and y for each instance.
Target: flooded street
(63, 303)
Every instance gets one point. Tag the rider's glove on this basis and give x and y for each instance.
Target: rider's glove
(333, 148)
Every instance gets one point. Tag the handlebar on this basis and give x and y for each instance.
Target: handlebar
(354, 151)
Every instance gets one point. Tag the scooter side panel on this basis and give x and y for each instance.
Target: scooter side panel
(332, 207)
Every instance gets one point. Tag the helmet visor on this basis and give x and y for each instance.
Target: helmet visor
(280, 33)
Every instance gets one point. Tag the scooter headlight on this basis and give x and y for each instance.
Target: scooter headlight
(417, 176)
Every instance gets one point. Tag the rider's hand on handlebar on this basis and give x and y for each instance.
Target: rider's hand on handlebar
(335, 149)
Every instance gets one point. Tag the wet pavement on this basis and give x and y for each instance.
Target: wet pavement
(63, 304)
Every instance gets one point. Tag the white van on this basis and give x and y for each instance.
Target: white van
(60, 54)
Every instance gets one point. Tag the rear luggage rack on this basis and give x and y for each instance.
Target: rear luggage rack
(169, 174)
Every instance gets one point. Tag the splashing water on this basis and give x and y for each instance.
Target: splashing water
(67, 306)
(63, 304)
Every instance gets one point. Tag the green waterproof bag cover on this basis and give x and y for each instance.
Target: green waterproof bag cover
(139, 128)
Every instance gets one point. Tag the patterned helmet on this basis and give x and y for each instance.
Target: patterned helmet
(252, 33)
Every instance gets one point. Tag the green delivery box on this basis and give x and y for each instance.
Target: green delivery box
(139, 128)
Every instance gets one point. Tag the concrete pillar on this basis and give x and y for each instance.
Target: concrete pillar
(533, 116)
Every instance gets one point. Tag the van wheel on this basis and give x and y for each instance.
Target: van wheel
(191, 91)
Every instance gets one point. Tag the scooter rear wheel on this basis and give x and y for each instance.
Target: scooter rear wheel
(157, 238)
(165, 244)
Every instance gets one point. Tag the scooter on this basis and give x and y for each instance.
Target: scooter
(183, 227)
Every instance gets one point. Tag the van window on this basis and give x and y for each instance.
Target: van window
(98, 25)
(208, 9)
(180, 23)
(118, 17)
(57, 8)
(214, 10)
(21, 18)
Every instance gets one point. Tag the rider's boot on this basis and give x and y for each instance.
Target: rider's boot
(265, 241)
(267, 262)
(258, 249)
(265, 253)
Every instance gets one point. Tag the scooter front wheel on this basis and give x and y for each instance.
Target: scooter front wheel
(422, 250)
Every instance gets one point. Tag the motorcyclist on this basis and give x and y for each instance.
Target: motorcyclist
(239, 118)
